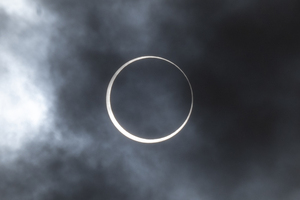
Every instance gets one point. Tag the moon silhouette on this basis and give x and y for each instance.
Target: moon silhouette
(116, 123)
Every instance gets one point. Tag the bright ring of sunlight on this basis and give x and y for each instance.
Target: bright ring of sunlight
(116, 123)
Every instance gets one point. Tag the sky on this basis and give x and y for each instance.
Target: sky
(241, 57)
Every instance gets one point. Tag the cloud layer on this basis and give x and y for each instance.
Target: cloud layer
(241, 142)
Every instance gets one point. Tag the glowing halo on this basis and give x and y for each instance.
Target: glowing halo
(116, 123)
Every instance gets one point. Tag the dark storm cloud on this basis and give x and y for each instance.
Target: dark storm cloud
(242, 140)
(54, 173)
(247, 89)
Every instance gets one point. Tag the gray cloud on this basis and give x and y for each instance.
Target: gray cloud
(242, 140)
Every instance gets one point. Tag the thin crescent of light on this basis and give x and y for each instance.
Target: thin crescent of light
(116, 123)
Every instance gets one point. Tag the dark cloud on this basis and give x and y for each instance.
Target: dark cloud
(4, 21)
(242, 139)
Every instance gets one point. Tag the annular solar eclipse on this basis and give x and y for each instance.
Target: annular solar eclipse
(117, 124)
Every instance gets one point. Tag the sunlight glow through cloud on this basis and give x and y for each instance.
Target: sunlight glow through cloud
(19, 8)
(23, 105)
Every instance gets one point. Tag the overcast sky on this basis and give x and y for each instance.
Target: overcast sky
(241, 57)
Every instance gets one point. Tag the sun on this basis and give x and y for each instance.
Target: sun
(117, 124)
